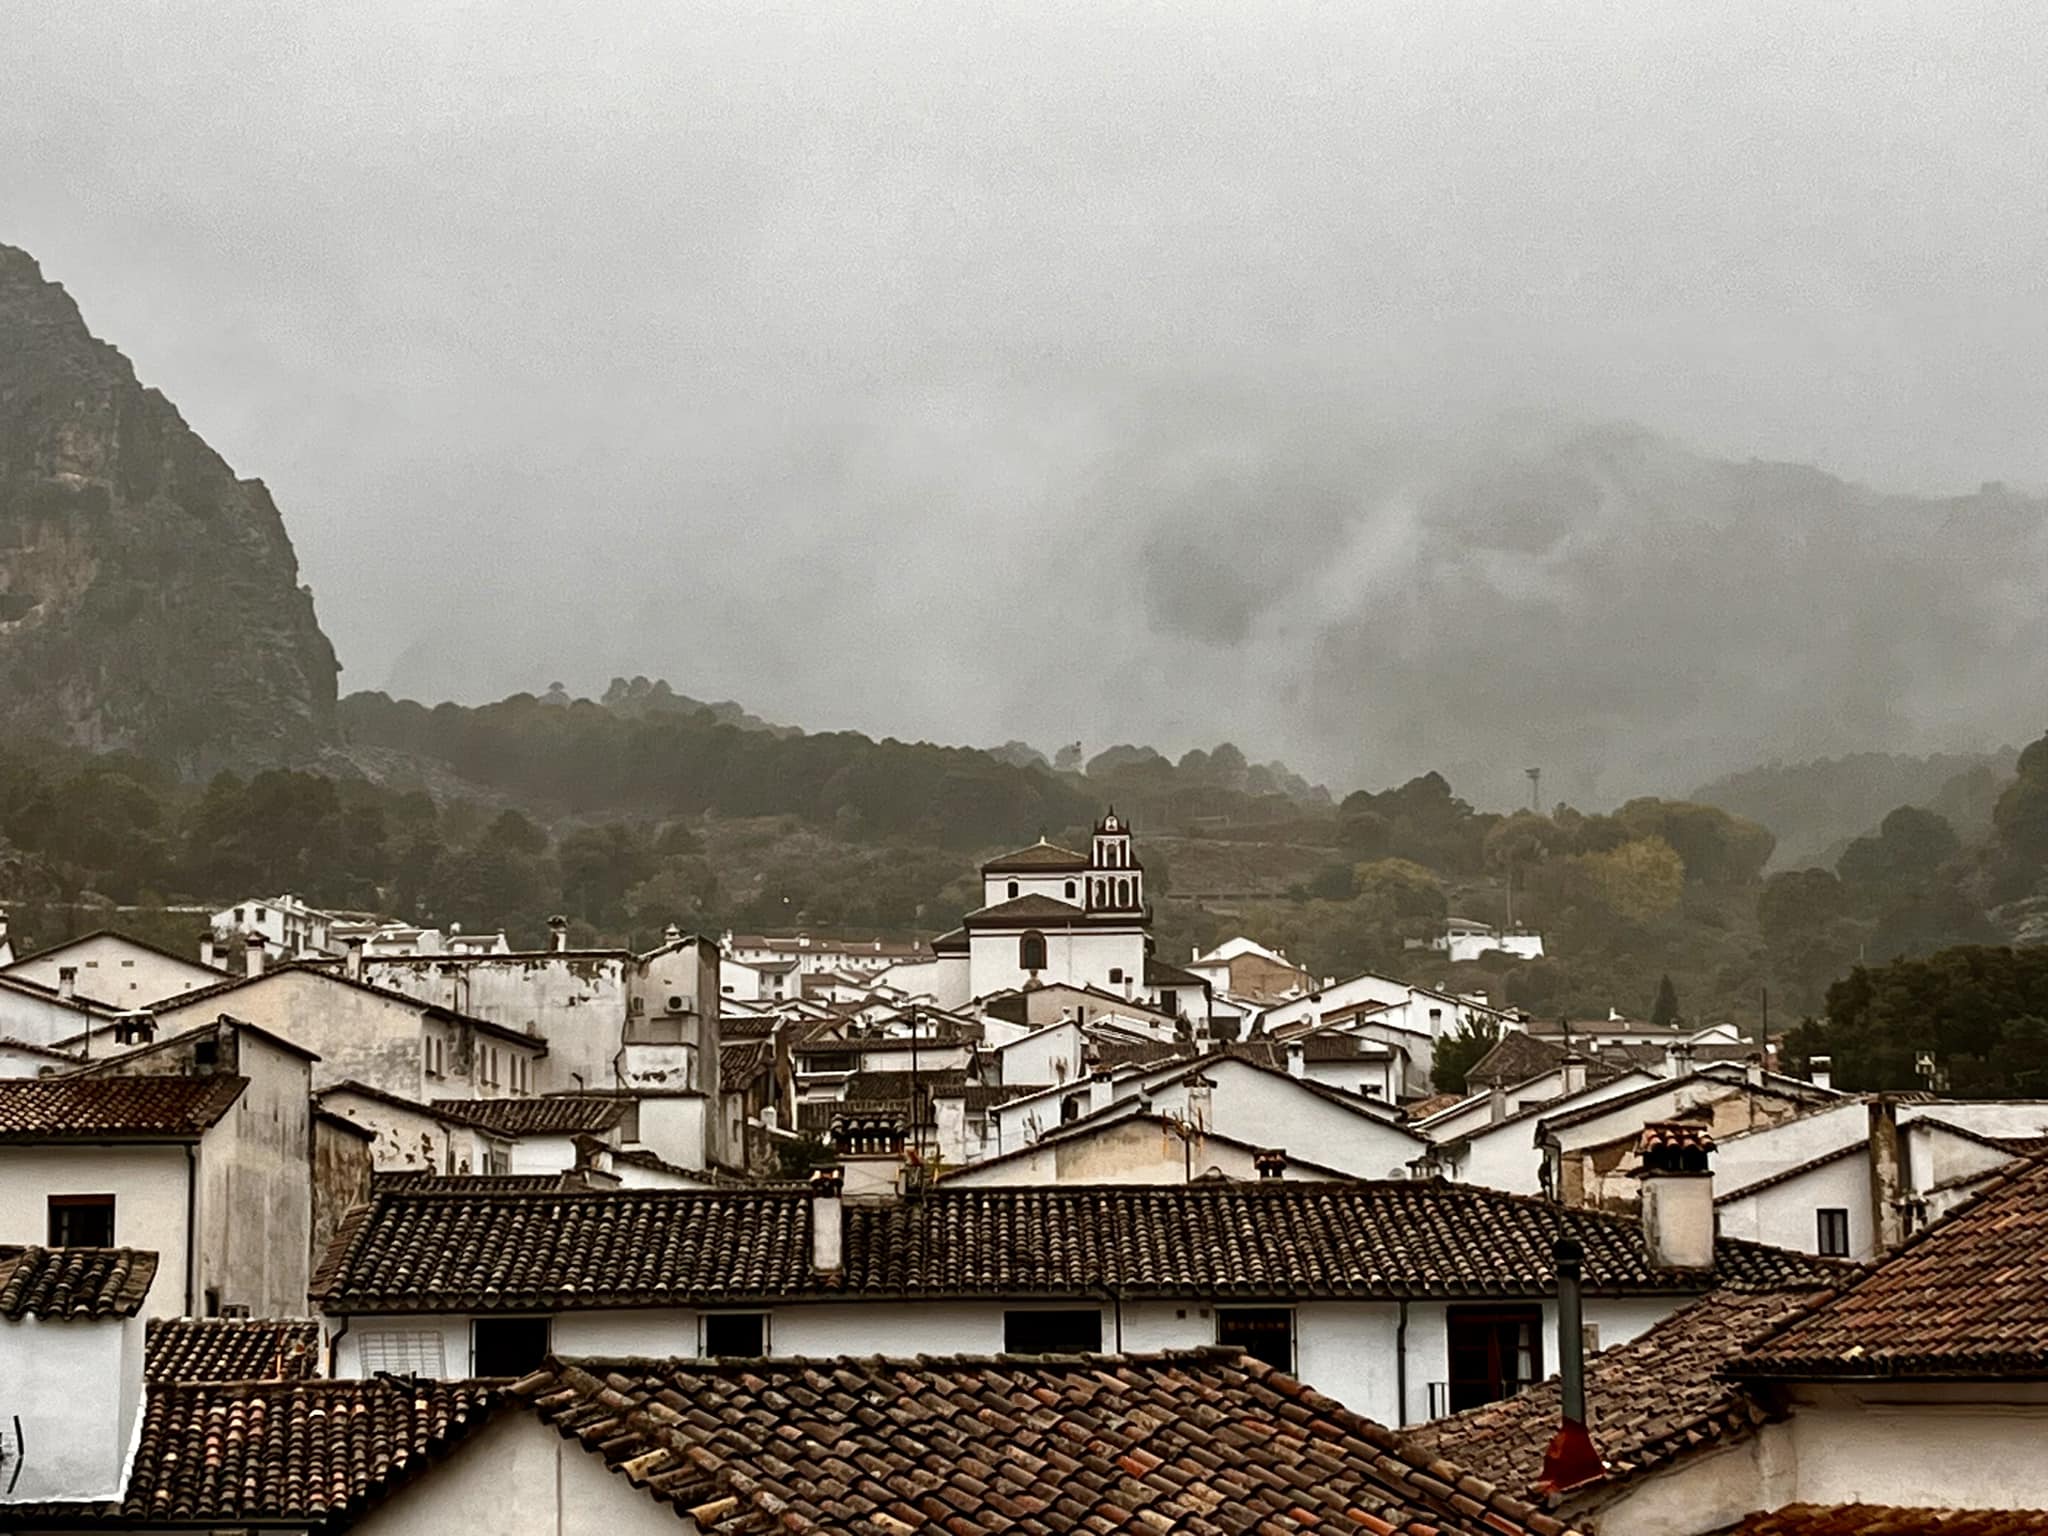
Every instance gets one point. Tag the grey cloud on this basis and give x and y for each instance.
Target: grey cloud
(1060, 369)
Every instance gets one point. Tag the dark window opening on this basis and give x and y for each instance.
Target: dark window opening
(1833, 1224)
(742, 1334)
(1170, 1000)
(213, 1301)
(507, 1346)
(1494, 1353)
(1031, 952)
(81, 1221)
(1013, 890)
(1116, 975)
(1066, 1331)
(206, 1054)
(1264, 1333)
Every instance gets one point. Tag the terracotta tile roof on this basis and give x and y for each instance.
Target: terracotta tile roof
(1041, 857)
(1886, 1520)
(74, 1282)
(1278, 1239)
(232, 1349)
(1201, 1441)
(107, 1108)
(1435, 1104)
(296, 1451)
(1674, 1136)
(1965, 1298)
(1649, 1400)
(1515, 1058)
(419, 1181)
(741, 1061)
(564, 1116)
(741, 1027)
(1022, 911)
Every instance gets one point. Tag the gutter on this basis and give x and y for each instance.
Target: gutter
(1401, 1368)
(191, 1226)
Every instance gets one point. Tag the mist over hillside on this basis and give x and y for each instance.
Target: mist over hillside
(1628, 614)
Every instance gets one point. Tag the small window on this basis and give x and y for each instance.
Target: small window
(81, 1221)
(1492, 1353)
(206, 1054)
(1833, 1223)
(1013, 890)
(735, 1335)
(507, 1346)
(1116, 975)
(403, 1352)
(1264, 1333)
(1031, 952)
(1070, 890)
(213, 1301)
(1062, 1331)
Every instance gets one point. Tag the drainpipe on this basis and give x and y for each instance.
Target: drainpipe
(1571, 1460)
(1401, 1368)
(191, 1227)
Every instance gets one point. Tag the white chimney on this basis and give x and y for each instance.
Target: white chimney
(352, 964)
(1297, 1059)
(558, 934)
(1271, 1163)
(1678, 1195)
(1101, 1092)
(828, 1222)
(1678, 1059)
(67, 981)
(1822, 1070)
(252, 963)
(870, 1151)
(1573, 1074)
(1496, 1104)
(671, 934)
(209, 955)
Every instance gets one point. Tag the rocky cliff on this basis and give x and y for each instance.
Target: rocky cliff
(149, 599)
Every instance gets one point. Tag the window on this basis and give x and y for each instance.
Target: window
(1031, 952)
(507, 1346)
(1013, 890)
(1264, 1333)
(1070, 890)
(1833, 1222)
(81, 1221)
(205, 1054)
(735, 1334)
(403, 1352)
(1170, 1000)
(1064, 1331)
(1116, 975)
(1494, 1352)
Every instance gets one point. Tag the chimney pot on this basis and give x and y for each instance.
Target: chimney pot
(1271, 1162)
(1821, 1069)
(67, 981)
(1677, 1195)
(209, 956)
(828, 1220)
(558, 933)
(252, 964)
(352, 965)
(1297, 1059)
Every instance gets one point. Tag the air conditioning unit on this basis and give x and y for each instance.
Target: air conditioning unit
(675, 1003)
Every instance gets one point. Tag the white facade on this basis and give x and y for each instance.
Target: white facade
(153, 1185)
(1137, 1149)
(1086, 954)
(72, 1389)
(115, 971)
(1352, 1350)
(285, 924)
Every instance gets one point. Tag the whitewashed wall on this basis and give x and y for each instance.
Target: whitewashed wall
(148, 1186)
(74, 1387)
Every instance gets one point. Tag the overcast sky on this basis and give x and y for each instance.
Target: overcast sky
(1039, 369)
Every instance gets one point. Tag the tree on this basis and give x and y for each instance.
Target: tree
(1460, 1051)
(1664, 1011)
(1910, 845)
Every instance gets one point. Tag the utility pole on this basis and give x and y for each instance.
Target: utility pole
(1535, 776)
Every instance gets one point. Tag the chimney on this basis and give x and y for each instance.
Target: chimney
(1574, 1074)
(1496, 1103)
(1101, 1091)
(1887, 1174)
(252, 961)
(67, 982)
(209, 954)
(870, 1149)
(1822, 1070)
(828, 1221)
(558, 933)
(1571, 1460)
(352, 964)
(1678, 1059)
(1678, 1195)
(1271, 1162)
(1297, 1059)
(672, 934)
